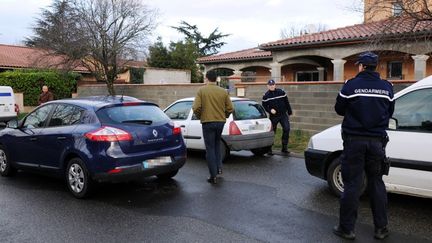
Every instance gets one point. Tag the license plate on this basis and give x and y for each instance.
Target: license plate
(6, 109)
(256, 127)
(157, 161)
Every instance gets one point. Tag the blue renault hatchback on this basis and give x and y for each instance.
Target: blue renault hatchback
(94, 139)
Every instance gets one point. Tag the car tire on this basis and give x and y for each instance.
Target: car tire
(261, 151)
(167, 176)
(334, 178)
(225, 151)
(78, 178)
(6, 168)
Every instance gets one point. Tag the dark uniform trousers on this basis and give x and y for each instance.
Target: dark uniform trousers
(362, 155)
(284, 121)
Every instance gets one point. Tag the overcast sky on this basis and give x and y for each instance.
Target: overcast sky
(250, 22)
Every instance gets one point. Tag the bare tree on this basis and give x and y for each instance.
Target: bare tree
(294, 30)
(97, 32)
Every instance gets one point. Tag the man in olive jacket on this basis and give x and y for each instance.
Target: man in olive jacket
(212, 106)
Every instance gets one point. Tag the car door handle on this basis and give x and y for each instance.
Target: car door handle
(182, 126)
(33, 139)
(61, 138)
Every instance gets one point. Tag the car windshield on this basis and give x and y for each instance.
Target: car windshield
(247, 109)
(139, 114)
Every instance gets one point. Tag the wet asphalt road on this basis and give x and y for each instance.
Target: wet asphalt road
(260, 199)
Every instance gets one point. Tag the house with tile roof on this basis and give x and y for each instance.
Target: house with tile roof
(21, 57)
(403, 44)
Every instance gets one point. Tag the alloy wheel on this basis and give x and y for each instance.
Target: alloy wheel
(3, 161)
(76, 178)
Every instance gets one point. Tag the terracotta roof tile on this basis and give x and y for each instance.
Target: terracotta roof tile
(356, 32)
(253, 53)
(27, 57)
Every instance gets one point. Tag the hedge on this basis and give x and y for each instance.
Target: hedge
(30, 83)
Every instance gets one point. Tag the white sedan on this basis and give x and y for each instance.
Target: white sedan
(409, 148)
(248, 128)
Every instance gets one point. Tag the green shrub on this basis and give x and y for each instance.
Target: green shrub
(30, 82)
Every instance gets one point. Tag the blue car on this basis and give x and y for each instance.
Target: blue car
(94, 139)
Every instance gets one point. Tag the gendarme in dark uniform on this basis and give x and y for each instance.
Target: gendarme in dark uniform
(275, 102)
(366, 102)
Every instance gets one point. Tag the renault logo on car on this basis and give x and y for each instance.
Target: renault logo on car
(155, 133)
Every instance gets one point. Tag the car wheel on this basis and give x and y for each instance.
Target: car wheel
(261, 151)
(167, 176)
(77, 178)
(6, 168)
(225, 151)
(334, 178)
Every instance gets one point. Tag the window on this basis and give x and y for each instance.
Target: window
(395, 70)
(65, 115)
(37, 118)
(307, 76)
(246, 109)
(413, 111)
(248, 76)
(397, 9)
(179, 111)
(140, 114)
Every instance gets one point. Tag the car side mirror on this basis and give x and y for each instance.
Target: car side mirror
(393, 124)
(12, 124)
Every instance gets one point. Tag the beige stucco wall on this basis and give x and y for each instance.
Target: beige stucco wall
(166, 76)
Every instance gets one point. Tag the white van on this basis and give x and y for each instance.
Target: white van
(8, 108)
(409, 148)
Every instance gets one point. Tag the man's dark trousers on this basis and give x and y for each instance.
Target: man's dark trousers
(212, 132)
(284, 121)
(362, 155)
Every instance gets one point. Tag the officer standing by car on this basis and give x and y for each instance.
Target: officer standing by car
(366, 102)
(275, 102)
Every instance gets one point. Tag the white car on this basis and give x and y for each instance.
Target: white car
(8, 108)
(409, 148)
(248, 128)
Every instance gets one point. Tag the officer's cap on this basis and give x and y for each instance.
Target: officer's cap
(367, 58)
(271, 82)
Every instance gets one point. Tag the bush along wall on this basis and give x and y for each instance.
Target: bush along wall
(30, 83)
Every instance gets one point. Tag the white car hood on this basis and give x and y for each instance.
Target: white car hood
(328, 140)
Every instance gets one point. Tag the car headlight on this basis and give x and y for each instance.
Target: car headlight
(310, 144)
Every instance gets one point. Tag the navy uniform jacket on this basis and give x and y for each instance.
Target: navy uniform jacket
(366, 102)
(277, 100)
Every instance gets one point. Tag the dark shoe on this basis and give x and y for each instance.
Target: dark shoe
(381, 233)
(284, 149)
(212, 180)
(337, 230)
(270, 153)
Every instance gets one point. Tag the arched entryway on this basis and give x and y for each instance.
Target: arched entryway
(392, 65)
(306, 68)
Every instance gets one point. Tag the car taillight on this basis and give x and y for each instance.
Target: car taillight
(16, 108)
(108, 134)
(233, 129)
(176, 130)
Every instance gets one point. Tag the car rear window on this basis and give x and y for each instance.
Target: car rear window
(247, 109)
(139, 114)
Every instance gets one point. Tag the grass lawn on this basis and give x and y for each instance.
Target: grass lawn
(21, 115)
(298, 141)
